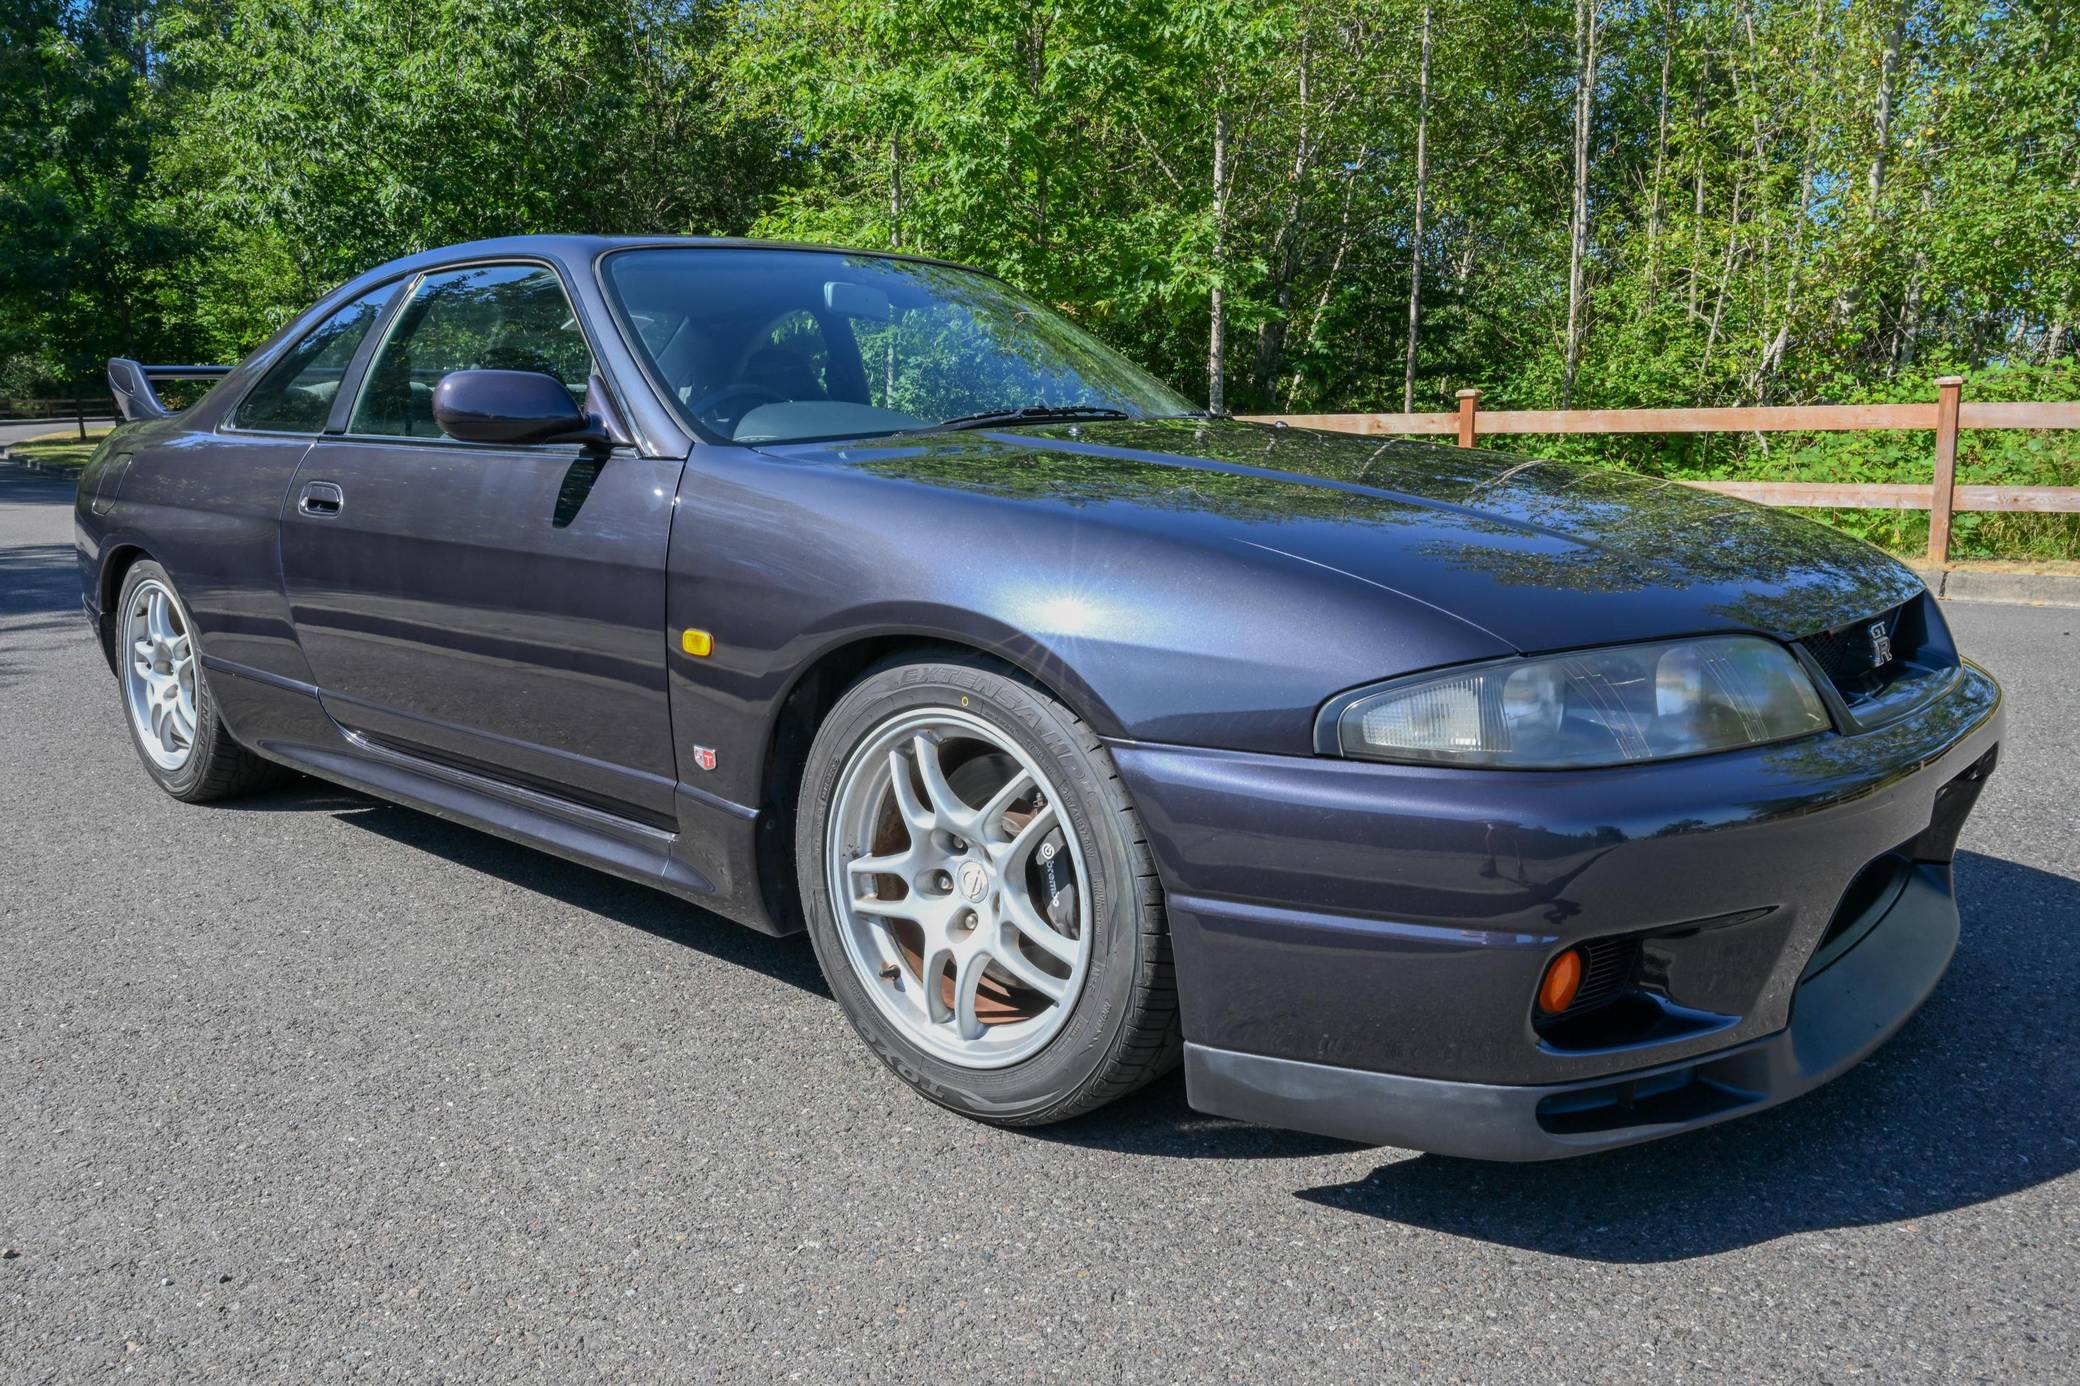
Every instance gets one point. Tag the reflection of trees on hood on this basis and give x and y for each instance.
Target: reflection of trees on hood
(1076, 477)
(1512, 520)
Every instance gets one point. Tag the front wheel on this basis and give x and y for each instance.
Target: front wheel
(981, 897)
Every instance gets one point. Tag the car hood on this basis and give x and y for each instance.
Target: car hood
(1541, 555)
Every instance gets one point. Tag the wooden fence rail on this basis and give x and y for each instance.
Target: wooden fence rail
(1942, 497)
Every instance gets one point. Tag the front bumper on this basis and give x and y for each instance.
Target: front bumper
(1357, 945)
(1840, 1015)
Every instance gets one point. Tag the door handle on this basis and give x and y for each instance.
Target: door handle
(321, 498)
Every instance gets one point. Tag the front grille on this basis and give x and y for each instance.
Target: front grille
(1850, 654)
(1888, 663)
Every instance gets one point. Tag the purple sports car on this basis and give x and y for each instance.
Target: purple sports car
(1409, 794)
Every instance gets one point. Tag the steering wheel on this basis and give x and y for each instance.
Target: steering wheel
(753, 395)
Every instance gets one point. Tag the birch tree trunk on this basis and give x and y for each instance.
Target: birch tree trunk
(1328, 289)
(1697, 239)
(1285, 243)
(1415, 240)
(1888, 75)
(1586, 34)
(1774, 350)
(1216, 317)
(1668, 51)
(895, 192)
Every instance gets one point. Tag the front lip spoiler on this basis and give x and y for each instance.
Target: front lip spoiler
(1839, 1016)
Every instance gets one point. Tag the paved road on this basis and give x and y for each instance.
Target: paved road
(312, 1088)
(16, 432)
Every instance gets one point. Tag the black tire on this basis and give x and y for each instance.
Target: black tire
(1122, 1030)
(217, 767)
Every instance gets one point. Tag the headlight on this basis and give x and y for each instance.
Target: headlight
(1594, 707)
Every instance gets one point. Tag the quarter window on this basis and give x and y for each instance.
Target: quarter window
(486, 317)
(296, 394)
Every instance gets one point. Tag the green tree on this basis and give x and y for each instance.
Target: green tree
(78, 235)
(310, 139)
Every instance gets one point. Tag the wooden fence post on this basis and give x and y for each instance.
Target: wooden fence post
(1944, 498)
(1469, 404)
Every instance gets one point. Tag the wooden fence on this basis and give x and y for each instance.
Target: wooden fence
(1942, 498)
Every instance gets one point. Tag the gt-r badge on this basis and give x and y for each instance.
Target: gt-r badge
(704, 757)
(1881, 646)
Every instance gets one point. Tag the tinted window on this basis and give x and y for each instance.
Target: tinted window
(489, 317)
(771, 345)
(296, 394)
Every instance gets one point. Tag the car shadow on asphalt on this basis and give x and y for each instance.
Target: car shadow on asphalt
(39, 583)
(40, 580)
(1978, 1097)
(653, 911)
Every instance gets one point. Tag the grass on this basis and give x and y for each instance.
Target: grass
(63, 450)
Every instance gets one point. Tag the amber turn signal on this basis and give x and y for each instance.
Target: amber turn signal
(698, 643)
(1562, 980)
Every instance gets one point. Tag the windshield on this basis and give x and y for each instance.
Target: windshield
(768, 346)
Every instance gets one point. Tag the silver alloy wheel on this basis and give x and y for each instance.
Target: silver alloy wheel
(941, 837)
(159, 674)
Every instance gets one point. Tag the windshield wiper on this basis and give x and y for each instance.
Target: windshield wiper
(1026, 414)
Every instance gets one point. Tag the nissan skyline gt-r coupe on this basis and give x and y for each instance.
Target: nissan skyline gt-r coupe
(1408, 794)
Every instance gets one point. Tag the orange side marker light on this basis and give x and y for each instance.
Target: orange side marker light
(1562, 980)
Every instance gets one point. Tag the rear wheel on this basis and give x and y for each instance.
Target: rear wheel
(172, 717)
(981, 896)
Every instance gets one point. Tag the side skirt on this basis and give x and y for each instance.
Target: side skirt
(283, 721)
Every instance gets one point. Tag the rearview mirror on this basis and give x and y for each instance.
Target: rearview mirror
(515, 407)
(857, 300)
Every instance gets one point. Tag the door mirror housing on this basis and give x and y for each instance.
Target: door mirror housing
(514, 407)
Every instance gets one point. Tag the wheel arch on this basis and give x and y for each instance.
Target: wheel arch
(116, 563)
(801, 710)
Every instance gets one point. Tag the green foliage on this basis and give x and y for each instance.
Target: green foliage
(1788, 200)
(75, 227)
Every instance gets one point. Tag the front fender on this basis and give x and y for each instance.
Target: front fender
(1151, 631)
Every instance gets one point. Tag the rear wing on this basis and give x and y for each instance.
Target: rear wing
(131, 383)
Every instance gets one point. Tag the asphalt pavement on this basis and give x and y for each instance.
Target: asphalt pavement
(310, 1088)
(17, 431)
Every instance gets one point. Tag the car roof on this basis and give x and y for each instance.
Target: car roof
(586, 248)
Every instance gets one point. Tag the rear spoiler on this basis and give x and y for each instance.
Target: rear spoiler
(131, 383)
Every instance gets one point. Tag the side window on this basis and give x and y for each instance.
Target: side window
(296, 394)
(487, 317)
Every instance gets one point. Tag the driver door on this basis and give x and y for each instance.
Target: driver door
(498, 609)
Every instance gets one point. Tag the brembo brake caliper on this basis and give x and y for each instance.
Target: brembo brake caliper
(1058, 883)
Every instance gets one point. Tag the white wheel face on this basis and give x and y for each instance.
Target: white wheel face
(159, 674)
(959, 888)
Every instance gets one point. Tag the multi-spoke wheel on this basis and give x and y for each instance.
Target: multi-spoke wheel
(956, 888)
(980, 896)
(159, 674)
(182, 741)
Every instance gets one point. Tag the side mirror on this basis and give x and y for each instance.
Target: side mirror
(512, 407)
